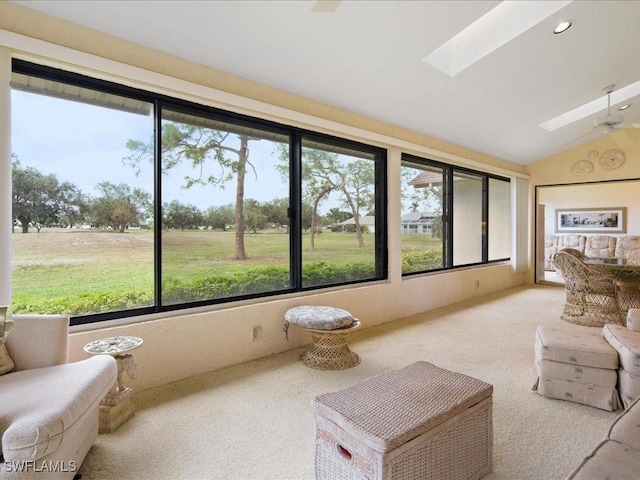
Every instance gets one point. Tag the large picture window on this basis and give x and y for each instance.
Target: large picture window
(452, 217)
(126, 202)
(338, 214)
(81, 242)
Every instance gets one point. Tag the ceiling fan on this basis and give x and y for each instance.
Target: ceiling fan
(611, 123)
(608, 124)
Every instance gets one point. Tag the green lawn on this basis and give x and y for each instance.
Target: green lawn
(55, 268)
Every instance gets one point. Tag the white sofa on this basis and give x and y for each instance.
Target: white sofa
(617, 455)
(48, 407)
(600, 246)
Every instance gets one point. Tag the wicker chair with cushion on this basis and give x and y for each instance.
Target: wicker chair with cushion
(592, 297)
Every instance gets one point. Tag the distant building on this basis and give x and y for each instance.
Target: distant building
(418, 222)
(368, 221)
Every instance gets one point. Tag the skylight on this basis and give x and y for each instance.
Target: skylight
(491, 31)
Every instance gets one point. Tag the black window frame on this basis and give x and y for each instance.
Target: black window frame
(295, 135)
(448, 245)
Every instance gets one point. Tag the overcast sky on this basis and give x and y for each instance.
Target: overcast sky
(85, 145)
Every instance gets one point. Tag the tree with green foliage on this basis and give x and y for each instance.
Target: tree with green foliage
(74, 205)
(276, 211)
(200, 146)
(40, 200)
(219, 217)
(178, 215)
(119, 206)
(255, 218)
(323, 173)
(335, 215)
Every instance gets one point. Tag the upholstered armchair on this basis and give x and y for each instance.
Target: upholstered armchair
(48, 407)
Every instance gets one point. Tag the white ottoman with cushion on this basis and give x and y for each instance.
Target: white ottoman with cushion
(329, 328)
(576, 363)
(626, 342)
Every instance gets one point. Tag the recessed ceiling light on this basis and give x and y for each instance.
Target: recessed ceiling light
(624, 107)
(562, 27)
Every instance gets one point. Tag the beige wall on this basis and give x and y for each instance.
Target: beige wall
(593, 195)
(554, 184)
(181, 344)
(557, 168)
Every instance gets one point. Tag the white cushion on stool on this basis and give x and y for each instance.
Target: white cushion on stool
(576, 345)
(627, 343)
(319, 318)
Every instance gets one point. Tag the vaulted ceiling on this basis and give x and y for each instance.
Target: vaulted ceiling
(367, 57)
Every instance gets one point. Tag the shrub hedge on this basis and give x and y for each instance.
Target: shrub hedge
(255, 280)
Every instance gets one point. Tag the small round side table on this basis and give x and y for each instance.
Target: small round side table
(116, 407)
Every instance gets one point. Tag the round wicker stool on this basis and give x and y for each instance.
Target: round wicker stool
(329, 328)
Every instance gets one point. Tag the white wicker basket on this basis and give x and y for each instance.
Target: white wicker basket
(419, 422)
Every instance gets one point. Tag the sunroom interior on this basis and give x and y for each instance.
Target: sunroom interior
(533, 170)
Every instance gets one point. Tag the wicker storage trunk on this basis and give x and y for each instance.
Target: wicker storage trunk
(419, 422)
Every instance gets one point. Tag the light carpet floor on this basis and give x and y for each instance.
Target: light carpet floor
(255, 421)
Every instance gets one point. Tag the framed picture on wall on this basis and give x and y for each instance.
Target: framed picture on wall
(591, 220)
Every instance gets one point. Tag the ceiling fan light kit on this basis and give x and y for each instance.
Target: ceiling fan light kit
(609, 121)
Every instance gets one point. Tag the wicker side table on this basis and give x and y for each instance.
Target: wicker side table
(329, 328)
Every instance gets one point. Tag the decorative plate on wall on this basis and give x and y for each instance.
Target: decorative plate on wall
(612, 159)
(582, 168)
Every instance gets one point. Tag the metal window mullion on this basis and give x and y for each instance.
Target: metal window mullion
(157, 205)
(447, 217)
(381, 234)
(485, 219)
(295, 210)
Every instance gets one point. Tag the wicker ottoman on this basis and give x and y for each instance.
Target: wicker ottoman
(576, 363)
(419, 422)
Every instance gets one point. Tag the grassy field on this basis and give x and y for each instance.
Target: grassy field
(56, 263)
